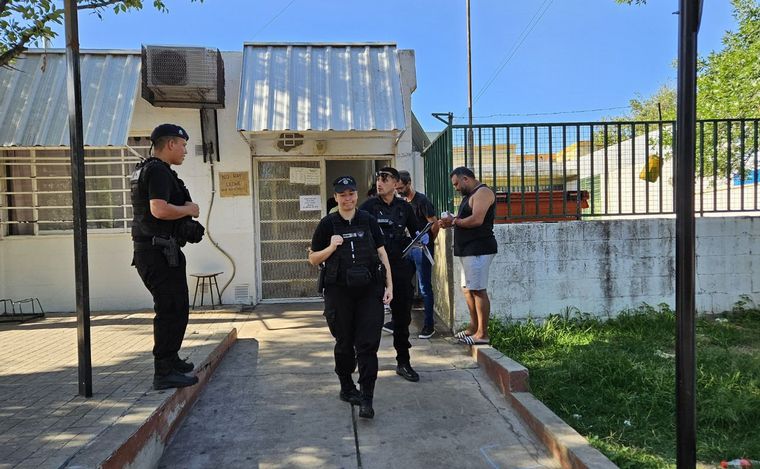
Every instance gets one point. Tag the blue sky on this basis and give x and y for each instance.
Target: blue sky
(572, 55)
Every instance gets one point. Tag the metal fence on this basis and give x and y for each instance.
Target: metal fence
(566, 171)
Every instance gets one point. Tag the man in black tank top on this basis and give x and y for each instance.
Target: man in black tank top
(475, 245)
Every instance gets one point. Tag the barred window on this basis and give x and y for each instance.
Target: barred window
(35, 189)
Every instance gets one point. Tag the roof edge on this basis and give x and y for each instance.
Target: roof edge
(320, 44)
(84, 51)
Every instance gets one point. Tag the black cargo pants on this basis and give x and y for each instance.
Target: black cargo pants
(402, 271)
(168, 285)
(355, 318)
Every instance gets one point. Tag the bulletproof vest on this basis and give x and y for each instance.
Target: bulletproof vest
(358, 247)
(144, 224)
(393, 221)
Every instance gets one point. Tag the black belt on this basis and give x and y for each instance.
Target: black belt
(144, 246)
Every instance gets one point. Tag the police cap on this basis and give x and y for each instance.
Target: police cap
(168, 130)
(344, 183)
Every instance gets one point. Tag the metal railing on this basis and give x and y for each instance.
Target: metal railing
(566, 171)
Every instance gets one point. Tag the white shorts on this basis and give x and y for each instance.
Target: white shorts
(475, 271)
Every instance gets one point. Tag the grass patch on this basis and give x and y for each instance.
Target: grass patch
(614, 380)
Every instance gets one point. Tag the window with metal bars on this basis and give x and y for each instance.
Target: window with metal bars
(35, 188)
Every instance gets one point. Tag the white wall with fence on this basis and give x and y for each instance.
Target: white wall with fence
(604, 267)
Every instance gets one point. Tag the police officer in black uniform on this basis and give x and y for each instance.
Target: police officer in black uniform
(397, 220)
(357, 282)
(163, 212)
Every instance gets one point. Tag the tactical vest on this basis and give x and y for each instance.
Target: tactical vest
(358, 248)
(144, 224)
(393, 221)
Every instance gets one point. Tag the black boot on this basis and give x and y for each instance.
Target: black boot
(183, 366)
(348, 391)
(166, 376)
(365, 406)
(407, 372)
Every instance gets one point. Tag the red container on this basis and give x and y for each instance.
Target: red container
(518, 207)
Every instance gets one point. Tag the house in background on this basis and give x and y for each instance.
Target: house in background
(284, 121)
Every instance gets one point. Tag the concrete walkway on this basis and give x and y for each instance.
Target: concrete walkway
(273, 402)
(45, 424)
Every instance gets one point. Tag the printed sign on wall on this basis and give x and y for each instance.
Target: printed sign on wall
(308, 176)
(234, 184)
(310, 203)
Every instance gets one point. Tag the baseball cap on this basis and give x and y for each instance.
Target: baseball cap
(344, 183)
(168, 130)
(387, 170)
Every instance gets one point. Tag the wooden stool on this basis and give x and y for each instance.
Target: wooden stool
(207, 279)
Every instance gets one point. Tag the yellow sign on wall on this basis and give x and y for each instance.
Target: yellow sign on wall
(234, 184)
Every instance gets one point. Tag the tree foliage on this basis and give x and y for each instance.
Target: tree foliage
(29, 22)
(728, 87)
(727, 80)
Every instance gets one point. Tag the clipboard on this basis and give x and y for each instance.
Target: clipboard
(417, 238)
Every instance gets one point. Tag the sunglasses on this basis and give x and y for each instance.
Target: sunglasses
(384, 176)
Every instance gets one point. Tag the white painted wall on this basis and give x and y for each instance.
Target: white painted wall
(604, 267)
(42, 266)
(405, 158)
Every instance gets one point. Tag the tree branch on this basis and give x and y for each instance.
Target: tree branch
(95, 4)
(29, 34)
(7, 56)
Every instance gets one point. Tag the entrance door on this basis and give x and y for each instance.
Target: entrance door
(290, 205)
(292, 197)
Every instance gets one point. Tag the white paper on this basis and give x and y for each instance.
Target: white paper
(427, 254)
(311, 176)
(297, 176)
(310, 203)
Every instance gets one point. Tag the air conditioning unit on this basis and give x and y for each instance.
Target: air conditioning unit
(186, 77)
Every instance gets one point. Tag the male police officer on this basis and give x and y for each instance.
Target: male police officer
(162, 223)
(395, 216)
(357, 281)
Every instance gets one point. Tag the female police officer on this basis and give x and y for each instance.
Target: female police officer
(357, 281)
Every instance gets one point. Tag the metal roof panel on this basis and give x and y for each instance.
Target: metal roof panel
(320, 87)
(34, 104)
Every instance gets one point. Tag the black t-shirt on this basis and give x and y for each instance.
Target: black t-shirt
(422, 207)
(163, 183)
(321, 238)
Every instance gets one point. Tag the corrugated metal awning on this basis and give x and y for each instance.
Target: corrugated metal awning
(34, 105)
(320, 87)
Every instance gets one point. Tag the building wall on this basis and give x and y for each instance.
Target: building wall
(41, 266)
(604, 267)
(405, 158)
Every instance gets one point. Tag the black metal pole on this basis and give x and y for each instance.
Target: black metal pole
(686, 421)
(76, 142)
